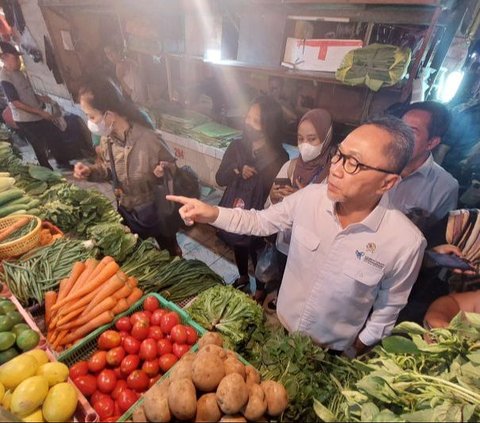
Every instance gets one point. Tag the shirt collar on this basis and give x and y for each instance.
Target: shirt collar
(424, 169)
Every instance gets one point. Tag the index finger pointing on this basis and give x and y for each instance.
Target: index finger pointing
(178, 199)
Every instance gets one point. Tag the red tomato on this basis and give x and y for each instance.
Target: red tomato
(148, 349)
(105, 407)
(151, 304)
(155, 332)
(164, 346)
(118, 373)
(109, 339)
(168, 321)
(151, 368)
(97, 361)
(140, 331)
(118, 411)
(141, 317)
(87, 384)
(167, 361)
(192, 335)
(148, 314)
(131, 345)
(120, 386)
(106, 381)
(154, 380)
(124, 334)
(115, 356)
(114, 418)
(180, 349)
(156, 318)
(97, 395)
(126, 399)
(178, 334)
(124, 324)
(78, 369)
(138, 381)
(129, 364)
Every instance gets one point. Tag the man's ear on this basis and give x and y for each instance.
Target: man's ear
(433, 142)
(388, 183)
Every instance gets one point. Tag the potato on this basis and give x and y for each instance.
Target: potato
(155, 404)
(182, 399)
(277, 397)
(207, 409)
(230, 353)
(252, 376)
(207, 371)
(233, 419)
(213, 349)
(232, 393)
(210, 338)
(183, 369)
(233, 365)
(257, 403)
(139, 415)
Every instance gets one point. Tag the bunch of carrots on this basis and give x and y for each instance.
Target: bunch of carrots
(93, 294)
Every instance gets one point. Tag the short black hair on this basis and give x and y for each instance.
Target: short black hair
(439, 116)
(400, 150)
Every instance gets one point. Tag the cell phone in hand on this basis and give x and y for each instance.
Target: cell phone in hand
(283, 182)
(449, 261)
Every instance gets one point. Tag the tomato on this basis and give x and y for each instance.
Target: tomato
(164, 346)
(151, 368)
(155, 332)
(118, 411)
(151, 304)
(139, 317)
(123, 335)
(106, 381)
(154, 380)
(140, 331)
(157, 316)
(97, 361)
(167, 361)
(168, 321)
(120, 386)
(148, 314)
(78, 369)
(105, 407)
(109, 339)
(114, 418)
(87, 384)
(97, 395)
(178, 334)
(180, 349)
(138, 381)
(129, 364)
(118, 373)
(124, 324)
(148, 349)
(115, 356)
(131, 345)
(192, 335)
(126, 399)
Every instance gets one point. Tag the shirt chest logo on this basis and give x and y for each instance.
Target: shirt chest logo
(363, 257)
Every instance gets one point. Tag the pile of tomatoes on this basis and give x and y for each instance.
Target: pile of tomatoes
(132, 358)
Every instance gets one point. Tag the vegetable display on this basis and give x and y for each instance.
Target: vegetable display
(17, 230)
(146, 261)
(229, 311)
(113, 239)
(14, 200)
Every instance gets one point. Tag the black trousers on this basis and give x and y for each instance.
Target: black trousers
(43, 135)
(243, 253)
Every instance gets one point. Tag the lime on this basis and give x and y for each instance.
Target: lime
(15, 316)
(7, 339)
(8, 355)
(28, 339)
(6, 323)
(8, 306)
(20, 327)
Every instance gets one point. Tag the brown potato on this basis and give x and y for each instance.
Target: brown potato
(155, 404)
(183, 369)
(213, 349)
(257, 404)
(277, 397)
(207, 409)
(207, 371)
(233, 365)
(139, 415)
(210, 338)
(182, 399)
(233, 419)
(232, 393)
(252, 376)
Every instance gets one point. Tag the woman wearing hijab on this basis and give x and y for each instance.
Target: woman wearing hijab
(316, 149)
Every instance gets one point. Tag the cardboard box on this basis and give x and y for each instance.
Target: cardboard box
(317, 54)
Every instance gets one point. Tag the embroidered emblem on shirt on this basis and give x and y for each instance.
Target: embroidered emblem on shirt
(371, 247)
(366, 259)
(359, 254)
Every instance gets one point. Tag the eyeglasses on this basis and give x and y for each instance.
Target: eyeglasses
(351, 165)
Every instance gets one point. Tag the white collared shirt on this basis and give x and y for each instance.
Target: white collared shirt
(430, 188)
(334, 277)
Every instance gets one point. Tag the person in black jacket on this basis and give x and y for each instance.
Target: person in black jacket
(248, 170)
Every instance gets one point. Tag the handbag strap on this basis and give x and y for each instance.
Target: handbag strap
(117, 186)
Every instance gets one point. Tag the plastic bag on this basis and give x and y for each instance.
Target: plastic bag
(268, 266)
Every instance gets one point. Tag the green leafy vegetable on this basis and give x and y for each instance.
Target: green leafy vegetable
(113, 239)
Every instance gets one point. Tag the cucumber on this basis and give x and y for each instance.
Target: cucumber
(10, 195)
(8, 210)
(34, 211)
(21, 200)
(22, 211)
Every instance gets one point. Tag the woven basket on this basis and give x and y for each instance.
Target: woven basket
(21, 245)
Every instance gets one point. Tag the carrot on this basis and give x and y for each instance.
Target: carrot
(114, 284)
(134, 296)
(81, 303)
(108, 271)
(133, 282)
(123, 293)
(107, 304)
(54, 335)
(63, 320)
(50, 298)
(12, 228)
(101, 265)
(77, 270)
(122, 305)
(90, 266)
(59, 339)
(100, 320)
(53, 323)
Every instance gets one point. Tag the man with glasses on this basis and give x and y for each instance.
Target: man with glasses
(353, 258)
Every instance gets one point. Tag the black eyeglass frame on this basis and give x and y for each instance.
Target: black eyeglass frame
(358, 166)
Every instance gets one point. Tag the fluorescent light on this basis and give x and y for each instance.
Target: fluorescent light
(450, 86)
(213, 55)
(320, 18)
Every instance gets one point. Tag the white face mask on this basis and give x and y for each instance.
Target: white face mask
(100, 128)
(309, 152)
